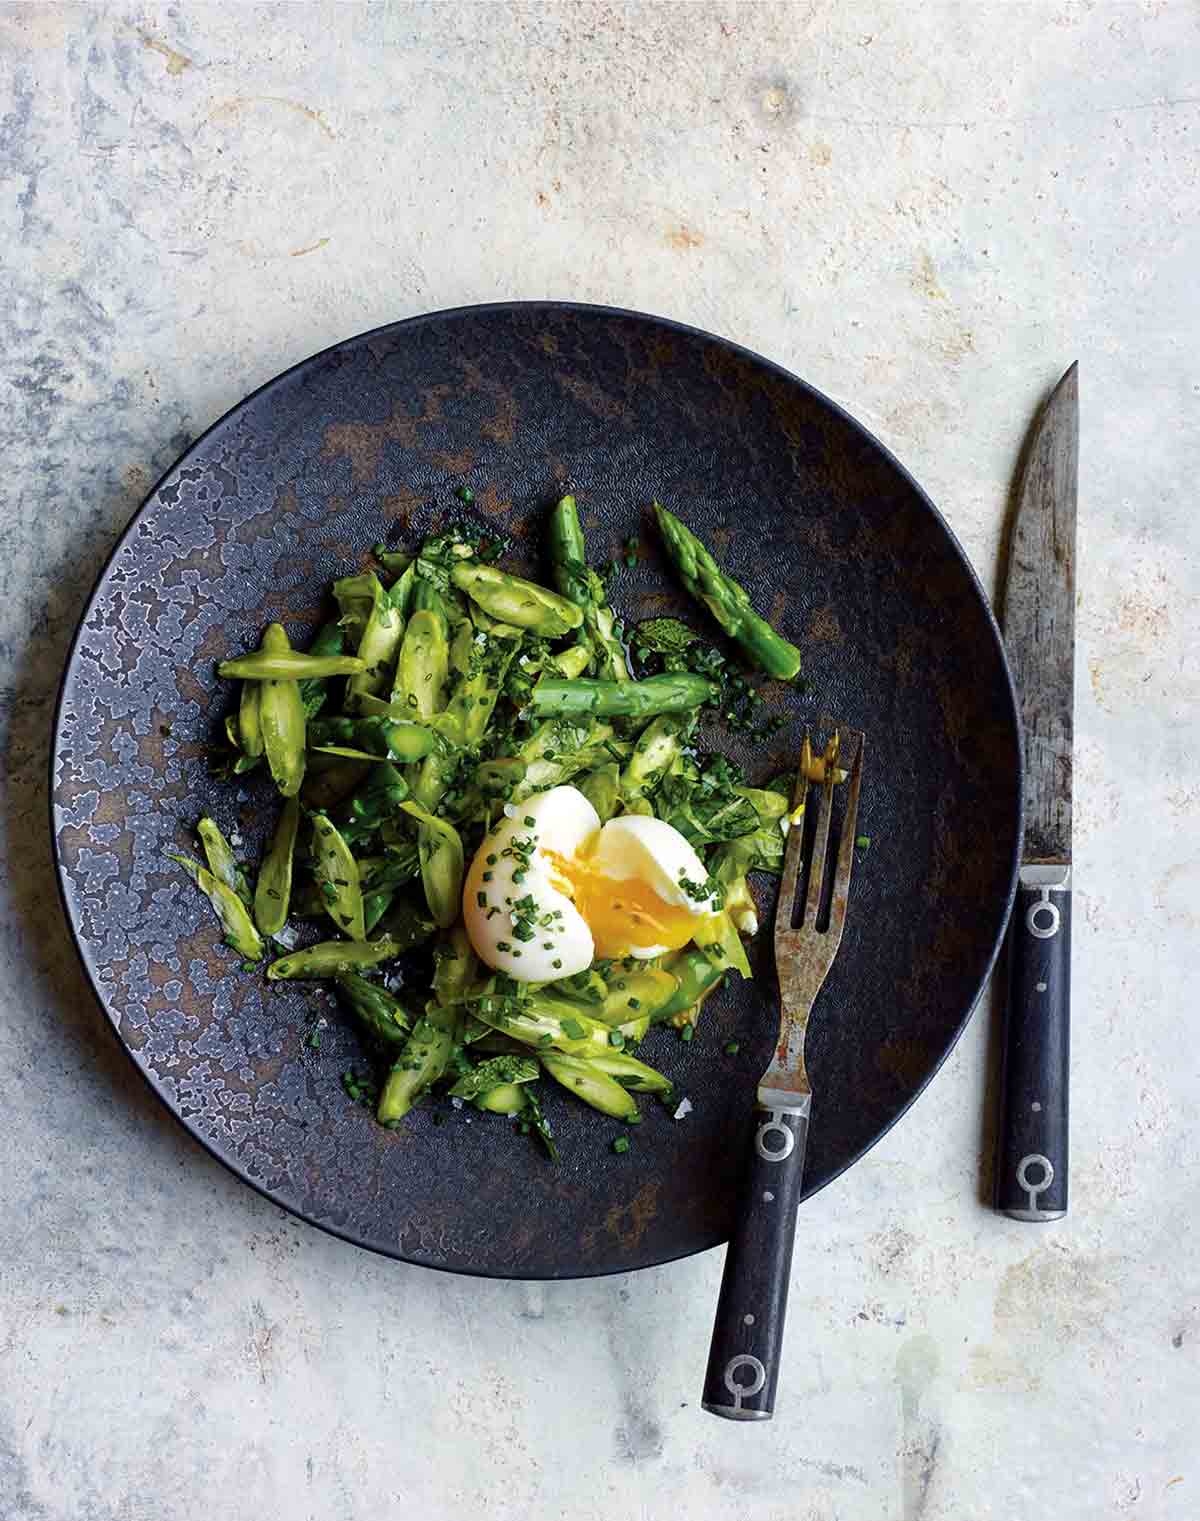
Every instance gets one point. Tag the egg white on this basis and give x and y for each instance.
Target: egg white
(563, 820)
(653, 852)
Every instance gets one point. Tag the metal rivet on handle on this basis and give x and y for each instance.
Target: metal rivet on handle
(742, 1392)
(774, 1125)
(1035, 1159)
(1045, 911)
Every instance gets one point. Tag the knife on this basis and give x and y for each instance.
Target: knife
(1039, 631)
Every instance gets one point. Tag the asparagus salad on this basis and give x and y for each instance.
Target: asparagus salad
(494, 776)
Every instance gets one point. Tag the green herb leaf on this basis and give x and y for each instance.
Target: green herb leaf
(665, 636)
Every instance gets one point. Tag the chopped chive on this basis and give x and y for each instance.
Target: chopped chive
(687, 1032)
(732, 1047)
(863, 841)
(621, 1145)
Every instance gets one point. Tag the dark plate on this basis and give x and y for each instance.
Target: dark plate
(839, 547)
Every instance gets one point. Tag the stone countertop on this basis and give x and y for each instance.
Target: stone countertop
(927, 211)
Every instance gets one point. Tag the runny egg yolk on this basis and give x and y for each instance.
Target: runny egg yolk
(622, 913)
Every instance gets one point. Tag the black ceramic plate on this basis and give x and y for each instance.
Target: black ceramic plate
(367, 441)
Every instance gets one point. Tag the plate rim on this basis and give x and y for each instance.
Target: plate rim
(443, 314)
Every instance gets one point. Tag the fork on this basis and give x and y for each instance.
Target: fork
(743, 1362)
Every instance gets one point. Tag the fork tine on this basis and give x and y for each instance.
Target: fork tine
(795, 843)
(845, 859)
(816, 871)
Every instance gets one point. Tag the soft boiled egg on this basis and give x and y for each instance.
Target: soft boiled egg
(549, 890)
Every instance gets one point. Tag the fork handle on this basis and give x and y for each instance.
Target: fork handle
(743, 1361)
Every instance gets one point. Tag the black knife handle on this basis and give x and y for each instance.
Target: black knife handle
(1031, 1176)
(743, 1361)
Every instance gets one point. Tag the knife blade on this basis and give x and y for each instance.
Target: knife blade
(1039, 631)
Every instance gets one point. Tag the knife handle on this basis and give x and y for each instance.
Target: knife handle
(1031, 1176)
(743, 1361)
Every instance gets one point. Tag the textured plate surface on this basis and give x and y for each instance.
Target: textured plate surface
(367, 441)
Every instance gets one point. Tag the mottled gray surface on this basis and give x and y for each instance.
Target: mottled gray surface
(925, 210)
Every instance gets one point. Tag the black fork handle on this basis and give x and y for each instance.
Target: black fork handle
(743, 1361)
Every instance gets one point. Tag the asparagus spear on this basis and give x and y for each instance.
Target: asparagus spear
(394, 562)
(602, 789)
(424, 656)
(379, 797)
(273, 890)
(513, 600)
(385, 737)
(375, 1008)
(336, 872)
(330, 957)
(231, 911)
(717, 937)
(288, 665)
(498, 778)
(725, 599)
(380, 877)
(659, 743)
(369, 612)
(505, 1098)
(495, 1072)
(423, 1059)
(589, 1082)
(281, 716)
(582, 586)
(329, 640)
(426, 1054)
(482, 661)
(243, 760)
(221, 860)
(636, 993)
(673, 692)
(697, 973)
(543, 1021)
(454, 967)
(248, 721)
(442, 864)
(538, 1123)
(573, 662)
(630, 1072)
